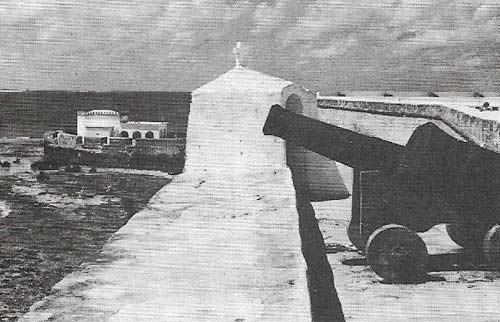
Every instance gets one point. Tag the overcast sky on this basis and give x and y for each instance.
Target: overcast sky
(324, 45)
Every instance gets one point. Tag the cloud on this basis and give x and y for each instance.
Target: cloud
(322, 44)
(400, 44)
(335, 49)
(268, 17)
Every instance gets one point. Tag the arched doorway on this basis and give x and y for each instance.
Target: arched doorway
(294, 104)
(136, 135)
(149, 135)
(124, 134)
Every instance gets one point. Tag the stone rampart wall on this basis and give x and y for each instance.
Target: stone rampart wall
(483, 132)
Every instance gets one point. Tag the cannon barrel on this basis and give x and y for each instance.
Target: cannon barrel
(348, 147)
(433, 170)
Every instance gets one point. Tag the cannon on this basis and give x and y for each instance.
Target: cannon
(401, 190)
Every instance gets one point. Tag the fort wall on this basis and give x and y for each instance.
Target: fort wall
(222, 241)
(482, 129)
(152, 154)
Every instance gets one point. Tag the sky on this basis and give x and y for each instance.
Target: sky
(324, 45)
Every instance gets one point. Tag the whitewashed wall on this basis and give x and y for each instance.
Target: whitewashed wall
(225, 132)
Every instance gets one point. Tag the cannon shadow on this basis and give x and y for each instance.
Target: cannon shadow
(464, 260)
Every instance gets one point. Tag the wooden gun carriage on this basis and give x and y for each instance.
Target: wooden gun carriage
(400, 190)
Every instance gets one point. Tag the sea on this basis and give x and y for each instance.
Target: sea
(31, 113)
(49, 229)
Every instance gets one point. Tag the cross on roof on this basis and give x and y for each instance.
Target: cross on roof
(237, 53)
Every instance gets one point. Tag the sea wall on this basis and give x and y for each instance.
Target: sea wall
(149, 154)
(482, 131)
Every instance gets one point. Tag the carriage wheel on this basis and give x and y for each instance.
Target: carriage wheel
(397, 254)
(491, 246)
(469, 236)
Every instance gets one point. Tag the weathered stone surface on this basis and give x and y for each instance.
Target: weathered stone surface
(458, 113)
(225, 131)
(203, 250)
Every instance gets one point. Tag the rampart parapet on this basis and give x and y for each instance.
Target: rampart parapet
(460, 114)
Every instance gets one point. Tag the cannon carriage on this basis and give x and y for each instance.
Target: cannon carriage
(401, 190)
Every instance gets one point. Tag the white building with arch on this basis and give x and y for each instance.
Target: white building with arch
(109, 123)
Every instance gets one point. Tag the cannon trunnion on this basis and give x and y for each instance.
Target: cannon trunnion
(400, 190)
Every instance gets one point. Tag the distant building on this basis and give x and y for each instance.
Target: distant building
(107, 139)
(109, 123)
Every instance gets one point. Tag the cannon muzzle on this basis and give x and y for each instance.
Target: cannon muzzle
(348, 147)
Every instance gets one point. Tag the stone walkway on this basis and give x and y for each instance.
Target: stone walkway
(211, 249)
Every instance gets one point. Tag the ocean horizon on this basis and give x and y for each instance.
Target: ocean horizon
(31, 113)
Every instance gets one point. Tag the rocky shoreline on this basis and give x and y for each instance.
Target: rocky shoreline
(50, 229)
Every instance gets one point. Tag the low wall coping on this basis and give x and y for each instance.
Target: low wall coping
(482, 128)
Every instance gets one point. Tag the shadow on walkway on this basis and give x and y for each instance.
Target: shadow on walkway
(325, 304)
